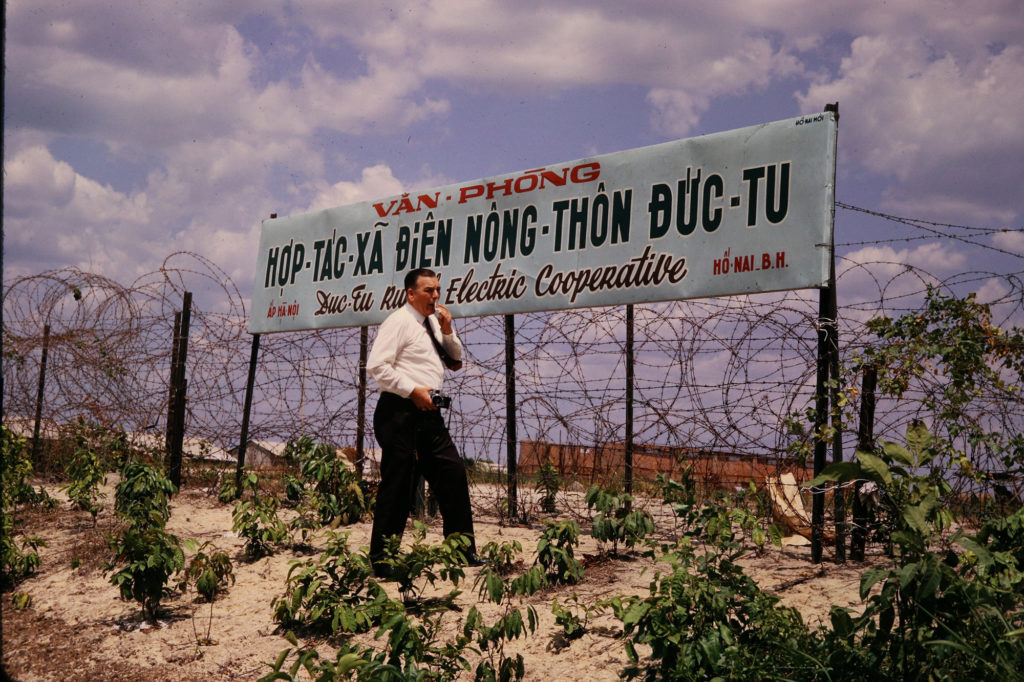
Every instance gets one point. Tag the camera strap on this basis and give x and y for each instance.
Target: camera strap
(448, 361)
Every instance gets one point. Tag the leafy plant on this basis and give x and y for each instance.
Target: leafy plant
(555, 551)
(573, 618)
(255, 519)
(18, 560)
(143, 494)
(931, 609)
(334, 593)
(496, 665)
(501, 556)
(327, 487)
(412, 653)
(207, 571)
(419, 562)
(616, 520)
(16, 472)
(754, 524)
(87, 475)
(548, 484)
(147, 553)
(228, 491)
(912, 502)
(957, 363)
(150, 556)
(706, 619)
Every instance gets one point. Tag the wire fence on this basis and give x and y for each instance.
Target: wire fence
(718, 375)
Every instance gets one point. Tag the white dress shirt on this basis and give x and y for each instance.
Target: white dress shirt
(403, 356)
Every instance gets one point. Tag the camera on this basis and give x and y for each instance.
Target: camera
(440, 399)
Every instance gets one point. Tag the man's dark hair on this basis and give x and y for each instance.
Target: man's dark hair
(413, 276)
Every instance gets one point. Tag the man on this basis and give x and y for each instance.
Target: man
(407, 361)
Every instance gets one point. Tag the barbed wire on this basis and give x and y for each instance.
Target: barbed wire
(721, 374)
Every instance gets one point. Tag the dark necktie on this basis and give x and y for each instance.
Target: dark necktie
(448, 361)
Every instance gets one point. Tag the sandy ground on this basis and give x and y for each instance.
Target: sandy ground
(77, 628)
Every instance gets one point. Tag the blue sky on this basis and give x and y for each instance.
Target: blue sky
(133, 130)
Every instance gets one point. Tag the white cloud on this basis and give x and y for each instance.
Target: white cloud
(676, 112)
(375, 182)
(55, 216)
(876, 280)
(1010, 240)
(221, 134)
(946, 127)
(33, 179)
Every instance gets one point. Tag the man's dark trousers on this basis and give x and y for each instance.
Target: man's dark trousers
(414, 442)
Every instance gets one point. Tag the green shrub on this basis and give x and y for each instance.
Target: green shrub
(501, 556)
(706, 619)
(16, 472)
(18, 559)
(208, 570)
(932, 613)
(548, 484)
(147, 554)
(326, 488)
(491, 639)
(616, 520)
(555, 551)
(573, 617)
(87, 474)
(143, 495)
(334, 593)
(255, 520)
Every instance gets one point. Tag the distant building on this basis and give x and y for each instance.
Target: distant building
(720, 469)
(260, 454)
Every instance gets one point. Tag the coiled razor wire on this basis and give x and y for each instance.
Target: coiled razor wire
(719, 375)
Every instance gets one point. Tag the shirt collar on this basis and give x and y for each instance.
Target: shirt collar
(417, 315)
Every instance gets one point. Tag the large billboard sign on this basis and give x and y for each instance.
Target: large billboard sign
(743, 211)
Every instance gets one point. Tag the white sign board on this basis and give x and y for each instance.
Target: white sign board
(743, 211)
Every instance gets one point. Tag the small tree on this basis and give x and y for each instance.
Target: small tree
(967, 375)
(327, 487)
(147, 553)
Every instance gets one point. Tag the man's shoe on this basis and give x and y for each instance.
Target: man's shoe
(475, 560)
